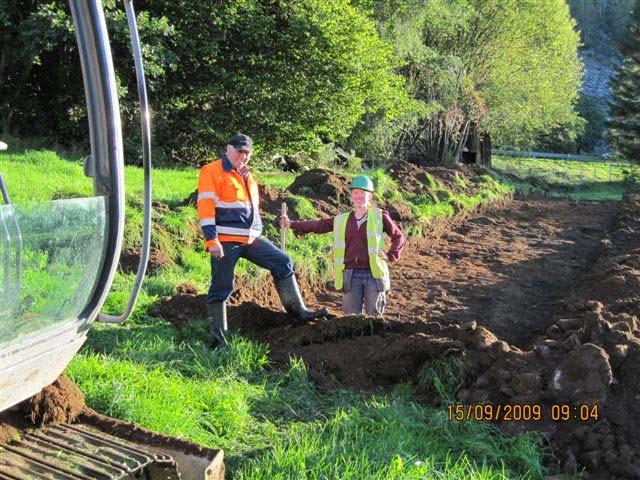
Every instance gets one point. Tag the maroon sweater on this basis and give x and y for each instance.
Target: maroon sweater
(356, 254)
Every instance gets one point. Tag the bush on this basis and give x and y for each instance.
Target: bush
(292, 74)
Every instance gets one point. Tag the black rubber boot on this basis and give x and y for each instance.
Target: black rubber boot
(292, 302)
(217, 315)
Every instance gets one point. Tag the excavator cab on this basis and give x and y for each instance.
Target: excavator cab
(57, 263)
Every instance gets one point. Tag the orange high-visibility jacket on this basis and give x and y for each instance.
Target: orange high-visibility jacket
(227, 204)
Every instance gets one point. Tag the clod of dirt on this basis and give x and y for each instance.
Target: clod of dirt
(130, 259)
(187, 305)
(8, 432)
(583, 377)
(187, 287)
(60, 402)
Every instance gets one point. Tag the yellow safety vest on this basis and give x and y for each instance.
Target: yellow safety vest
(375, 244)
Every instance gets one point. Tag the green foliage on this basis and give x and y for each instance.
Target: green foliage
(595, 116)
(353, 444)
(302, 207)
(277, 180)
(385, 187)
(508, 68)
(39, 175)
(294, 74)
(445, 375)
(631, 176)
(624, 124)
(600, 21)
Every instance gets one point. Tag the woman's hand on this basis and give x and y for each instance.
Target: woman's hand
(284, 221)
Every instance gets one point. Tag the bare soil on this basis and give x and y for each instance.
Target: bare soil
(130, 259)
(60, 402)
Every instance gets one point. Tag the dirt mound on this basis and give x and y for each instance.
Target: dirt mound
(187, 305)
(60, 402)
(424, 180)
(591, 357)
(328, 191)
(130, 258)
(615, 279)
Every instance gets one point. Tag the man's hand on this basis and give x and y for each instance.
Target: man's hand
(216, 251)
(284, 221)
(243, 171)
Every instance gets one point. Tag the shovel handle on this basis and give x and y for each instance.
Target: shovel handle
(283, 230)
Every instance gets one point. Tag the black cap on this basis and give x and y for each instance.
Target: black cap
(241, 142)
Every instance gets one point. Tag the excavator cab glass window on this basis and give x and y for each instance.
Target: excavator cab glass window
(50, 254)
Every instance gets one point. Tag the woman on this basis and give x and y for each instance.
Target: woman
(359, 257)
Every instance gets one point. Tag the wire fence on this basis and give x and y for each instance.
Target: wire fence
(566, 172)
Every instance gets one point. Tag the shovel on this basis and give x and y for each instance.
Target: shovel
(283, 231)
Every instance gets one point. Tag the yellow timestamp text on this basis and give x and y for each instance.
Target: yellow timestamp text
(522, 412)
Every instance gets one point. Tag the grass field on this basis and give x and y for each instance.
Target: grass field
(595, 181)
(271, 424)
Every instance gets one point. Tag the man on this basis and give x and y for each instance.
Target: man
(230, 220)
(359, 257)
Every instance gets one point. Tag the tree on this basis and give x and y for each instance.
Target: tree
(293, 74)
(624, 121)
(28, 32)
(41, 87)
(508, 67)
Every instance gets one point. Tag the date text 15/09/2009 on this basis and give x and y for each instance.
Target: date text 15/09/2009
(517, 412)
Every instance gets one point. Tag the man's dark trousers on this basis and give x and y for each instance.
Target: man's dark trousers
(261, 252)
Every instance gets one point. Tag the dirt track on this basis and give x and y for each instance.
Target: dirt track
(507, 269)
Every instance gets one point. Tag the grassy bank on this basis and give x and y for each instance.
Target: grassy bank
(272, 424)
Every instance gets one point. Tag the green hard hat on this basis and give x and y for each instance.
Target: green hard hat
(362, 182)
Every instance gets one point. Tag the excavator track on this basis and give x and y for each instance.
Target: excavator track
(80, 452)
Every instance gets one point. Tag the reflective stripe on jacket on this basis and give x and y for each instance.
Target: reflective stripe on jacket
(227, 204)
(375, 244)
